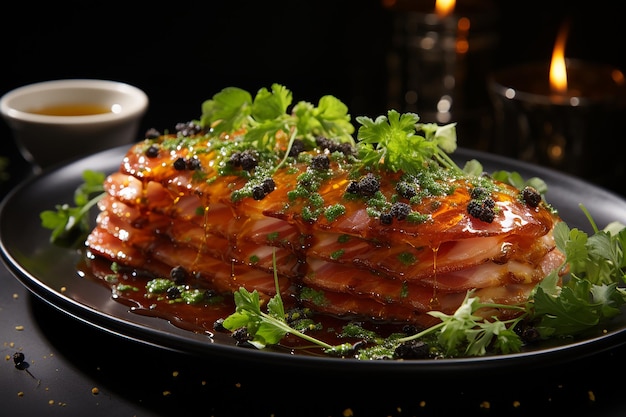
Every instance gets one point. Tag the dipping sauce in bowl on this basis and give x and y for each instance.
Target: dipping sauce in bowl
(55, 121)
(79, 109)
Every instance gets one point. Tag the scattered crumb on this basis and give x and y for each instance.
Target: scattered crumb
(592, 396)
(516, 404)
(95, 391)
(16, 296)
(20, 394)
(63, 289)
(203, 383)
(238, 384)
(422, 403)
(166, 393)
(175, 374)
(485, 404)
(348, 412)
(51, 402)
(19, 328)
(7, 357)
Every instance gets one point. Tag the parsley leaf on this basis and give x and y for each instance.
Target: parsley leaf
(261, 117)
(70, 224)
(392, 142)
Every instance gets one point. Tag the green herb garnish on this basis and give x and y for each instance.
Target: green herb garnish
(392, 142)
(70, 224)
(233, 109)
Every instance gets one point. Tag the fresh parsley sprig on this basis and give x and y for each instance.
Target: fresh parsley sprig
(262, 117)
(265, 328)
(392, 142)
(590, 294)
(69, 224)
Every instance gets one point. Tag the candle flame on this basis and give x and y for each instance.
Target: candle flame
(558, 70)
(444, 7)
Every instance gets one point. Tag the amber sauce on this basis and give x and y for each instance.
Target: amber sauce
(201, 318)
(434, 301)
(77, 109)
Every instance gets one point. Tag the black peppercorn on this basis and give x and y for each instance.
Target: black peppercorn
(179, 274)
(152, 151)
(180, 164)
(172, 293)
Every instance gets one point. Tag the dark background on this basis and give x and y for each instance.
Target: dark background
(183, 52)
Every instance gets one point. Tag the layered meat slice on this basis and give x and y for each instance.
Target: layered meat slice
(378, 254)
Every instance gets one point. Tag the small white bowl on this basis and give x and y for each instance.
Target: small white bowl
(48, 130)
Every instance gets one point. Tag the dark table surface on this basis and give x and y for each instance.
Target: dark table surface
(76, 369)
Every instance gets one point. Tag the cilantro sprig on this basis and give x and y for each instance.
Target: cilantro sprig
(69, 224)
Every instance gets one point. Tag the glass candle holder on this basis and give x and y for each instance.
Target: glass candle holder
(576, 132)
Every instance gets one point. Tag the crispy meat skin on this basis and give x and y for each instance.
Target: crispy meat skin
(157, 216)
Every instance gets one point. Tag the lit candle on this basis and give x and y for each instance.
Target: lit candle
(559, 113)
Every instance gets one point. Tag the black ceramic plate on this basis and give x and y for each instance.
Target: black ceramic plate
(50, 273)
